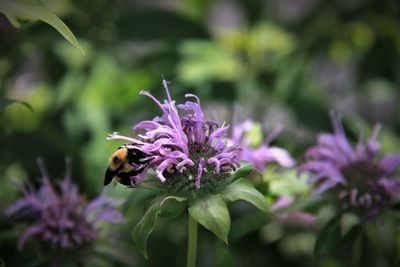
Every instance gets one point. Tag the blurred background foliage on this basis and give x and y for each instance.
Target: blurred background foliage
(286, 62)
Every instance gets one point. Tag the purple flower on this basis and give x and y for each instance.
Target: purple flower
(361, 181)
(263, 154)
(298, 219)
(186, 150)
(62, 219)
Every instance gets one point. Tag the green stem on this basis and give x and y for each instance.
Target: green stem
(357, 253)
(192, 242)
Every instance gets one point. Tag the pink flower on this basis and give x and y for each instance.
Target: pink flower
(262, 155)
(60, 218)
(361, 180)
(185, 145)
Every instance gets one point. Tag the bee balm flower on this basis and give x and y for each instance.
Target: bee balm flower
(362, 182)
(186, 151)
(195, 164)
(262, 154)
(62, 220)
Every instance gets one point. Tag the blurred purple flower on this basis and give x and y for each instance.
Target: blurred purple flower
(298, 219)
(61, 218)
(186, 145)
(262, 155)
(292, 218)
(362, 182)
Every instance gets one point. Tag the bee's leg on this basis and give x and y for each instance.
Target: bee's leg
(136, 156)
(146, 160)
(125, 177)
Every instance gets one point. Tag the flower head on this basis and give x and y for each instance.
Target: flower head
(262, 154)
(186, 151)
(62, 219)
(362, 181)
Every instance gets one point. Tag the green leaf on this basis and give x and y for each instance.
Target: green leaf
(4, 102)
(224, 257)
(243, 172)
(243, 189)
(151, 183)
(204, 61)
(347, 222)
(143, 229)
(172, 207)
(16, 10)
(211, 212)
(328, 238)
(287, 183)
(248, 223)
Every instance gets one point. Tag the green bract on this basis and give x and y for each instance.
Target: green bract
(208, 209)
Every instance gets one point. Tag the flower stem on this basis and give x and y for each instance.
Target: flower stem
(192, 242)
(357, 254)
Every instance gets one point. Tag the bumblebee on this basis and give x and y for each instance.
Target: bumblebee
(126, 162)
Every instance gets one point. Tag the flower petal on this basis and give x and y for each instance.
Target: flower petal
(390, 163)
(281, 156)
(164, 165)
(200, 172)
(391, 186)
(30, 232)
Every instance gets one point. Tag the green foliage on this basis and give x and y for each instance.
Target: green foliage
(145, 226)
(205, 61)
(244, 171)
(347, 222)
(4, 102)
(287, 184)
(20, 10)
(243, 189)
(328, 238)
(211, 212)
